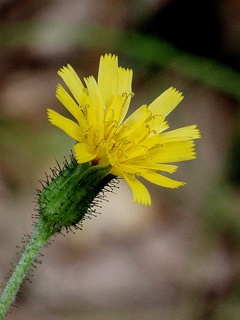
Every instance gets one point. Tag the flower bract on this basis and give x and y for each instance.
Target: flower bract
(138, 145)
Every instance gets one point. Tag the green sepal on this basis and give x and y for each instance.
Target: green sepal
(64, 202)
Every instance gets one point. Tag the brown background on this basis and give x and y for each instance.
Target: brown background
(178, 259)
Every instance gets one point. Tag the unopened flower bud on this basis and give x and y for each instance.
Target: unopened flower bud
(65, 200)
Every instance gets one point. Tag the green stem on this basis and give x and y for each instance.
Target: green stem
(37, 242)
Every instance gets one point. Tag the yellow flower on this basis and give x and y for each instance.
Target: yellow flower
(137, 146)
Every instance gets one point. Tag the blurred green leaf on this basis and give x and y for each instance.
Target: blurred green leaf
(221, 213)
(30, 142)
(146, 50)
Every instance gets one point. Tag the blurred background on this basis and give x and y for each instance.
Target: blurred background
(180, 258)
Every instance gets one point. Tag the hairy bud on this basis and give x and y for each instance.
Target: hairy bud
(65, 200)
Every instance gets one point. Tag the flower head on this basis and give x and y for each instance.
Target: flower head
(135, 146)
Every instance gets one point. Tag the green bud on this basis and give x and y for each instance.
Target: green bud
(65, 200)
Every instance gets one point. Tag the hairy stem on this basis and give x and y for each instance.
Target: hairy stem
(37, 242)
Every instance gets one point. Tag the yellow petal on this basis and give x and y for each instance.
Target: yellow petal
(161, 180)
(124, 84)
(114, 81)
(113, 113)
(139, 191)
(132, 169)
(173, 152)
(124, 88)
(73, 82)
(68, 126)
(135, 120)
(71, 106)
(152, 141)
(132, 153)
(84, 152)
(166, 102)
(181, 134)
(157, 124)
(141, 167)
(147, 164)
(139, 134)
(95, 111)
(108, 77)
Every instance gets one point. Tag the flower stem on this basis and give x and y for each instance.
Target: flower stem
(37, 242)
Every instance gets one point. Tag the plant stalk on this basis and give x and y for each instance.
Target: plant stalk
(37, 242)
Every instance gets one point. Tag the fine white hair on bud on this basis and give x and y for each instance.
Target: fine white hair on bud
(69, 194)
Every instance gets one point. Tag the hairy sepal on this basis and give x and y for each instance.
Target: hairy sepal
(64, 202)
